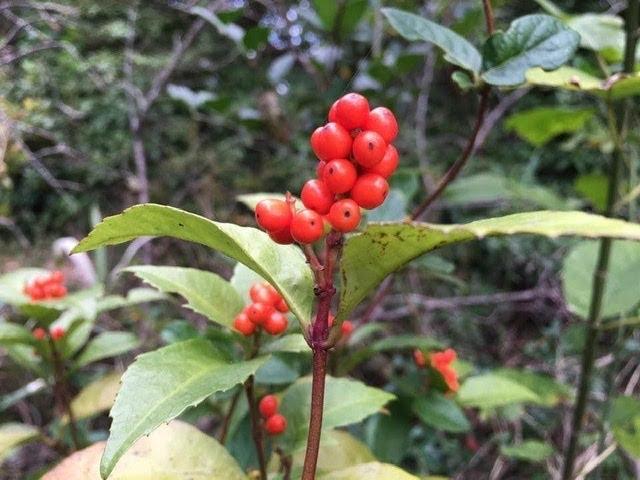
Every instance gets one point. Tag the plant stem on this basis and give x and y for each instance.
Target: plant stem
(488, 16)
(256, 429)
(600, 274)
(61, 392)
(224, 429)
(317, 406)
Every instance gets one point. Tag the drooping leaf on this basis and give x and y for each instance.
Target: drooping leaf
(415, 28)
(97, 397)
(176, 451)
(206, 293)
(625, 423)
(339, 408)
(105, 345)
(577, 278)
(531, 41)
(370, 471)
(530, 450)
(540, 125)
(384, 248)
(567, 78)
(284, 266)
(11, 333)
(160, 385)
(13, 435)
(490, 391)
(441, 413)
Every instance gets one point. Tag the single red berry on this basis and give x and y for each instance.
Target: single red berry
(58, 291)
(388, 164)
(320, 169)
(283, 237)
(317, 196)
(344, 215)
(39, 333)
(276, 323)
(268, 406)
(419, 358)
(37, 293)
(352, 111)
(333, 117)
(57, 333)
(273, 215)
(49, 289)
(307, 226)
(42, 280)
(276, 424)
(340, 175)
(382, 120)
(258, 312)
(369, 148)
(245, 326)
(282, 306)
(346, 328)
(57, 276)
(370, 191)
(331, 141)
(264, 293)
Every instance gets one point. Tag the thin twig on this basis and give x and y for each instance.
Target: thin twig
(488, 16)
(62, 392)
(256, 429)
(224, 429)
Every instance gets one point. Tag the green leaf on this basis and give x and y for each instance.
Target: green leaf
(160, 385)
(531, 41)
(105, 345)
(284, 266)
(256, 37)
(549, 392)
(540, 125)
(415, 28)
(440, 413)
(386, 433)
(340, 409)
(13, 435)
(384, 248)
(530, 450)
(370, 471)
(12, 285)
(491, 390)
(599, 32)
(206, 293)
(177, 451)
(551, 8)
(11, 333)
(293, 343)
(134, 296)
(348, 13)
(595, 188)
(615, 88)
(577, 278)
(625, 423)
(97, 397)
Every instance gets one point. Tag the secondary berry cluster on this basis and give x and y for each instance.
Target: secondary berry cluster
(46, 287)
(56, 333)
(442, 363)
(356, 157)
(267, 311)
(274, 422)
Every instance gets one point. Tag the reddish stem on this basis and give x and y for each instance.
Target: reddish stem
(61, 392)
(256, 428)
(320, 356)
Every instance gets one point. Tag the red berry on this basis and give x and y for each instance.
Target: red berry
(346, 328)
(283, 237)
(369, 148)
(307, 226)
(57, 276)
(352, 111)
(382, 120)
(39, 333)
(37, 293)
(276, 323)
(370, 191)
(344, 215)
(264, 293)
(242, 324)
(317, 196)
(320, 169)
(333, 117)
(57, 333)
(419, 359)
(58, 290)
(282, 306)
(331, 141)
(388, 164)
(340, 175)
(258, 312)
(268, 406)
(273, 215)
(276, 424)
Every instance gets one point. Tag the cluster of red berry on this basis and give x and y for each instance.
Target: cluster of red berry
(441, 362)
(274, 422)
(56, 333)
(45, 287)
(356, 159)
(267, 311)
